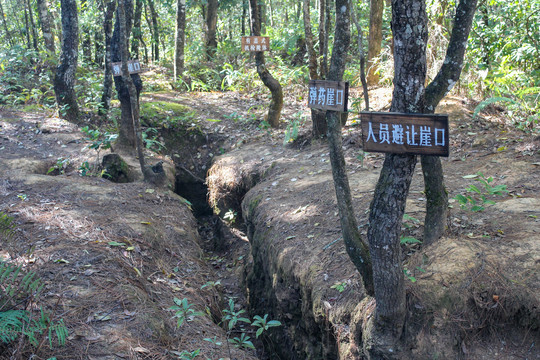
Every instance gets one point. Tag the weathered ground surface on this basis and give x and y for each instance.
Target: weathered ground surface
(476, 290)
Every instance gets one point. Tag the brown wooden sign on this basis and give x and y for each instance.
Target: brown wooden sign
(256, 43)
(328, 95)
(134, 67)
(419, 134)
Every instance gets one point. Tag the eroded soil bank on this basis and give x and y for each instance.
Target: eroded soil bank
(472, 295)
(112, 257)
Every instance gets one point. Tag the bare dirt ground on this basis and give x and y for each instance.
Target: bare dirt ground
(113, 256)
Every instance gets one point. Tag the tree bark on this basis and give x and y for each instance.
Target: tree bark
(409, 26)
(179, 39)
(155, 31)
(32, 24)
(127, 131)
(312, 55)
(64, 80)
(374, 40)
(357, 250)
(27, 28)
(211, 27)
(362, 59)
(137, 29)
(446, 78)
(107, 80)
(244, 15)
(274, 111)
(8, 34)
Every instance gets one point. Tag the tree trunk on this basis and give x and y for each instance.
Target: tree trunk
(33, 25)
(107, 80)
(137, 29)
(127, 133)
(64, 80)
(323, 37)
(362, 59)
(274, 112)
(318, 117)
(448, 75)
(8, 34)
(409, 26)
(121, 34)
(180, 39)
(27, 28)
(155, 30)
(374, 40)
(211, 27)
(357, 250)
(46, 27)
(312, 55)
(244, 15)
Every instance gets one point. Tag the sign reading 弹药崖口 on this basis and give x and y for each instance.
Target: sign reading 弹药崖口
(328, 95)
(134, 67)
(420, 134)
(256, 43)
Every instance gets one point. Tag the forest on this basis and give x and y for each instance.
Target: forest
(172, 188)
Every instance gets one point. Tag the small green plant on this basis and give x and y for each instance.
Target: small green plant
(291, 133)
(263, 324)
(17, 290)
(477, 197)
(186, 355)
(184, 311)
(59, 166)
(84, 169)
(99, 141)
(150, 138)
(242, 341)
(7, 226)
(230, 216)
(211, 284)
(232, 316)
(409, 240)
(339, 286)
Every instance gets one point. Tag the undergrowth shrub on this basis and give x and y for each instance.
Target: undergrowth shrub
(19, 325)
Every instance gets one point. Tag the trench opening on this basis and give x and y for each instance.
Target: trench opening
(228, 251)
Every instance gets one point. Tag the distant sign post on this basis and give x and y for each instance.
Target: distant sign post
(416, 134)
(256, 43)
(328, 95)
(134, 67)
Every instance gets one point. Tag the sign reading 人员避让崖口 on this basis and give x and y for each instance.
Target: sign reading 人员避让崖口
(134, 67)
(256, 43)
(328, 95)
(415, 134)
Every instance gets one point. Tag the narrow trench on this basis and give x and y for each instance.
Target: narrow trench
(226, 249)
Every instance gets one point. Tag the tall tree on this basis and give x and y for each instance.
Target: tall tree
(108, 80)
(362, 58)
(356, 248)
(46, 25)
(446, 78)
(312, 55)
(32, 25)
(137, 29)
(155, 30)
(86, 36)
(64, 80)
(3, 15)
(318, 117)
(274, 111)
(374, 39)
(211, 28)
(180, 39)
(127, 130)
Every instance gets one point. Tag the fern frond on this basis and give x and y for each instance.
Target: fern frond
(11, 324)
(490, 101)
